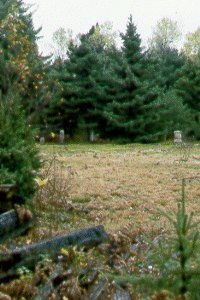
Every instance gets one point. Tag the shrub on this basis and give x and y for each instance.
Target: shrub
(18, 153)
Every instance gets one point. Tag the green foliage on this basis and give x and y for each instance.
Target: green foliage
(165, 35)
(132, 111)
(92, 86)
(178, 259)
(22, 68)
(18, 154)
(125, 94)
(188, 88)
(191, 47)
(24, 273)
(163, 66)
(173, 113)
(61, 39)
(81, 99)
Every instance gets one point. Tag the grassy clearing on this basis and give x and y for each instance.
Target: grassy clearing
(119, 186)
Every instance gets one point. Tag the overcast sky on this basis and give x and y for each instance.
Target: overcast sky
(80, 15)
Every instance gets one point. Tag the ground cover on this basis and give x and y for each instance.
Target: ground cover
(119, 186)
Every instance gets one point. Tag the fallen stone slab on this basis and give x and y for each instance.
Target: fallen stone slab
(121, 294)
(98, 290)
(30, 254)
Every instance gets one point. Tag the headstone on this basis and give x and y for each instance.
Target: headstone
(177, 137)
(62, 136)
(92, 136)
(42, 140)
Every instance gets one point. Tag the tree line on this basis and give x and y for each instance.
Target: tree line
(91, 84)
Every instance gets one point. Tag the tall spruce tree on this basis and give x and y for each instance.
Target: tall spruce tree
(132, 113)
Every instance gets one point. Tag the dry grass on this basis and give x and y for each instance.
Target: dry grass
(118, 186)
(121, 187)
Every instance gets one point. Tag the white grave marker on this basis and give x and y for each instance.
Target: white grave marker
(42, 140)
(177, 137)
(62, 136)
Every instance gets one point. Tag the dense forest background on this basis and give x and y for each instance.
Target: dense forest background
(100, 82)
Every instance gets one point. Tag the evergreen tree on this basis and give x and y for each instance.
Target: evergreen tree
(18, 154)
(124, 93)
(22, 67)
(131, 114)
(82, 85)
(85, 66)
(173, 114)
(131, 48)
(164, 65)
(188, 88)
(56, 111)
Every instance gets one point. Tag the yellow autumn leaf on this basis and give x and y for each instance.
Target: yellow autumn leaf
(41, 182)
(64, 252)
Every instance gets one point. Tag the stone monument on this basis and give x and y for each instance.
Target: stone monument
(178, 137)
(62, 136)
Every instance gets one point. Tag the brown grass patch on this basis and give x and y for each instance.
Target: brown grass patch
(117, 186)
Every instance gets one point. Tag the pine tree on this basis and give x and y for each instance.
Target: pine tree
(173, 114)
(164, 65)
(131, 113)
(188, 88)
(82, 97)
(57, 111)
(85, 63)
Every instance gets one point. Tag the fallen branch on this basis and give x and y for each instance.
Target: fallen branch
(30, 254)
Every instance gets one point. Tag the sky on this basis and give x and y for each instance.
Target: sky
(80, 15)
